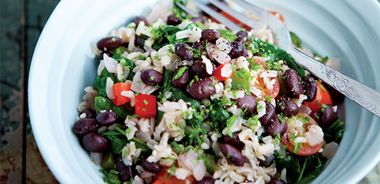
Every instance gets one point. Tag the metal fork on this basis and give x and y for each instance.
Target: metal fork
(356, 91)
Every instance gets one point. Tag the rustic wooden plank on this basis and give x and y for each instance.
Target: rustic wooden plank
(11, 93)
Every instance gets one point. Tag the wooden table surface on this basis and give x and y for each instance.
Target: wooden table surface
(21, 22)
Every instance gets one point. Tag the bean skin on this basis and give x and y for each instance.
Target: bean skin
(288, 107)
(151, 77)
(173, 20)
(89, 113)
(182, 80)
(199, 68)
(327, 116)
(276, 181)
(247, 103)
(184, 51)
(150, 167)
(242, 36)
(206, 180)
(85, 125)
(139, 19)
(210, 35)
(109, 43)
(293, 83)
(274, 127)
(106, 118)
(94, 142)
(139, 42)
(232, 154)
(234, 140)
(309, 88)
(126, 172)
(201, 89)
(237, 50)
(270, 112)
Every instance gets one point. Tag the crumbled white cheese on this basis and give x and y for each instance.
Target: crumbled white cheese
(129, 153)
(226, 70)
(314, 135)
(223, 45)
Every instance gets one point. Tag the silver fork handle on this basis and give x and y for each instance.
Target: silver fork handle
(356, 91)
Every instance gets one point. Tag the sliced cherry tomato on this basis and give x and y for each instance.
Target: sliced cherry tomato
(278, 15)
(223, 72)
(322, 97)
(164, 178)
(269, 92)
(146, 106)
(117, 89)
(305, 149)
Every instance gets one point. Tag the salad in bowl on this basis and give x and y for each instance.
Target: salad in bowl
(181, 99)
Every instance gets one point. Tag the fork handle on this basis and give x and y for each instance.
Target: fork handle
(356, 91)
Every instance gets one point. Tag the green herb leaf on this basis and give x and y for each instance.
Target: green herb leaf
(241, 80)
(142, 145)
(102, 103)
(117, 139)
(229, 124)
(180, 72)
(228, 35)
(209, 162)
(111, 177)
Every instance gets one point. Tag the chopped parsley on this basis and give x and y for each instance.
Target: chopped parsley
(241, 80)
(228, 35)
(297, 148)
(230, 122)
(180, 72)
(253, 121)
(296, 40)
(111, 177)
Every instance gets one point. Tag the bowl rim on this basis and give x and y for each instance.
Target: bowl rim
(36, 76)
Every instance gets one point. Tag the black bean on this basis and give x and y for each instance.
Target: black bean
(181, 77)
(288, 107)
(200, 19)
(336, 96)
(268, 160)
(237, 49)
(247, 103)
(234, 140)
(126, 172)
(242, 36)
(270, 112)
(85, 125)
(184, 51)
(327, 116)
(139, 42)
(94, 142)
(276, 181)
(173, 20)
(275, 127)
(309, 88)
(106, 118)
(150, 167)
(206, 180)
(139, 19)
(109, 43)
(151, 77)
(293, 83)
(232, 154)
(89, 113)
(210, 35)
(201, 89)
(199, 68)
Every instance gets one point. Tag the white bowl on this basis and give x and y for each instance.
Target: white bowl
(63, 65)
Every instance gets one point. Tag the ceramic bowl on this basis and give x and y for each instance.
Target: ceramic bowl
(63, 64)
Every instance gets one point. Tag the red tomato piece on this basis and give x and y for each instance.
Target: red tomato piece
(269, 92)
(278, 15)
(117, 89)
(146, 106)
(225, 69)
(305, 149)
(322, 97)
(164, 178)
